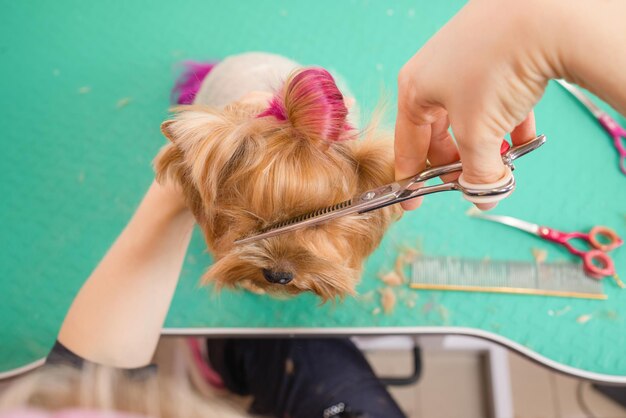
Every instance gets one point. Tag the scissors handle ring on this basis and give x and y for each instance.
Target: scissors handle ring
(611, 239)
(598, 264)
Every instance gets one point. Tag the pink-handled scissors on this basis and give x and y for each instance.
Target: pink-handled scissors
(617, 132)
(596, 261)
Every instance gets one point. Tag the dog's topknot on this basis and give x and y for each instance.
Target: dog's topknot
(312, 103)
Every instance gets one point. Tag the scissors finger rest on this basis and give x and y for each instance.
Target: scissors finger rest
(604, 239)
(598, 264)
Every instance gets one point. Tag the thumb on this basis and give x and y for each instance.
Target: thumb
(480, 155)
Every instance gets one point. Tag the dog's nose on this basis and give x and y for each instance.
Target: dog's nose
(277, 277)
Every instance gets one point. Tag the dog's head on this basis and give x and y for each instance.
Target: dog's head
(265, 159)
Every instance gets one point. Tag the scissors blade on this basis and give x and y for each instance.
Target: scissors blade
(363, 202)
(510, 221)
(383, 196)
(582, 98)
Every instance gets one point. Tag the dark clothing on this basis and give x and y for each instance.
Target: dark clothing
(302, 378)
(62, 356)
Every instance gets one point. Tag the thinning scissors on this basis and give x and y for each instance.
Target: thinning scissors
(617, 132)
(400, 191)
(596, 261)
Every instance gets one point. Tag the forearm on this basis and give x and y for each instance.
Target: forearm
(594, 48)
(117, 317)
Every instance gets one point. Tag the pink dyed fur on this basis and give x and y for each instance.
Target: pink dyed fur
(313, 104)
(189, 82)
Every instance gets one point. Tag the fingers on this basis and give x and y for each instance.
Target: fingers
(442, 148)
(410, 148)
(482, 163)
(525, 131)
(413, 125)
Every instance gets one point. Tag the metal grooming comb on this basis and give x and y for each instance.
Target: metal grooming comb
(563, 279)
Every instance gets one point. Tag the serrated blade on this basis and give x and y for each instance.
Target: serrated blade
(361, 203)
(307, 219)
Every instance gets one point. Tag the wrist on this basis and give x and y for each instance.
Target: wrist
(529, 35)
(545, 27)
(593, 43)
(568, 53)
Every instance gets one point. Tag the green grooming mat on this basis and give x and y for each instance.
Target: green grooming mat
(85, 85)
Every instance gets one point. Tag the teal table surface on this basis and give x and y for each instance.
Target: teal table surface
(85, 85)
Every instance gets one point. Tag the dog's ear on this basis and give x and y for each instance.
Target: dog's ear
(166, 131)
(207, 147)
(168, 164)
(187, 127)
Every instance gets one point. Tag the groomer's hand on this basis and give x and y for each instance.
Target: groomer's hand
(481, 74)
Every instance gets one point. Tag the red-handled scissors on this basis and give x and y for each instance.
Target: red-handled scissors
(596, 261)
(617, 132)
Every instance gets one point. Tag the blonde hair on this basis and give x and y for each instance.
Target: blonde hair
(54, 388)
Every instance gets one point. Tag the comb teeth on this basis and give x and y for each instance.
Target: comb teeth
(306, 216)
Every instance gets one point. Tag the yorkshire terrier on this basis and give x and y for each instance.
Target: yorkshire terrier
(257, 139)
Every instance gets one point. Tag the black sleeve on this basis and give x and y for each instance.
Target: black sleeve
(60, 355)
(307, 378)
